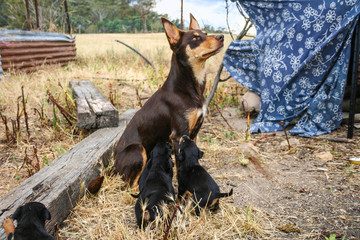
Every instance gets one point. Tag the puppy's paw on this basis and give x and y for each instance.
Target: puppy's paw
(9, 227)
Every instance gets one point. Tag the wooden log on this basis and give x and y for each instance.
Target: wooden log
(94, 110)
(60, 185)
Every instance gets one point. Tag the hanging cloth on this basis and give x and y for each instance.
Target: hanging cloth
(297, 63)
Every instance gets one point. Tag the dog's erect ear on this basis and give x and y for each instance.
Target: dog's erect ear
(17, 214)
(172, 32)
(201, 154)
(194, 25)
(46, 214)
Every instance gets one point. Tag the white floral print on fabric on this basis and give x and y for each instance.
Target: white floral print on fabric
(297, 63)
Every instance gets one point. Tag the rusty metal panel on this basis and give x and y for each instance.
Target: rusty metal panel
(22, 36)
(26, 50)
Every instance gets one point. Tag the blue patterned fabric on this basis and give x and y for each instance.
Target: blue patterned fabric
(297, 63)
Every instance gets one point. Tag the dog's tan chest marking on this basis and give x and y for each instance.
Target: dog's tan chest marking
(193, 116)
(197, 64)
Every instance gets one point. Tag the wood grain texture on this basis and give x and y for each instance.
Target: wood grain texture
(59, 186)
(94, 110)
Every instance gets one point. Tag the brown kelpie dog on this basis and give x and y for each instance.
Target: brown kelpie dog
(194, 180)
(177, 108)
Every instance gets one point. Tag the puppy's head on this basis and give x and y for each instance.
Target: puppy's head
(161, 155)
(31, 212)
(188, 150)
(161, 149)
(194, 43)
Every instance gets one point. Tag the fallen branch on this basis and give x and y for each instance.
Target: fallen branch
(336, 139)
(268, 135)
(217, 107)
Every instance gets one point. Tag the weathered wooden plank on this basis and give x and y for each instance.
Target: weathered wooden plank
(94, 110)
(59, 185)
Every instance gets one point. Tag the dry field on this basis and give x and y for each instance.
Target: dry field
(278, 194)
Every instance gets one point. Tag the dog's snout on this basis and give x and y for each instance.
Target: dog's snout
(220, 37)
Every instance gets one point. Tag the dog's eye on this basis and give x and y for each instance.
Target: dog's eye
(195, 38)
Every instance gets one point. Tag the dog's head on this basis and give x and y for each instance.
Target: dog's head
(161, 155)
(30, 212)
(188, 150)
(194, 43)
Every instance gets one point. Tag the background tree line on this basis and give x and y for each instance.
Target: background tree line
(86, 16)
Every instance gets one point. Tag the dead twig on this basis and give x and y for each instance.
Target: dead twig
(336, 139)
(65, 113)
(171, 220)
(14, 129)
(67, 95)
(287, 139)
(25, 113)
(32, 165)
(217, 107)
(247, 125)
(138, 96)
(268, 135)
(258, 166)
(7, 131)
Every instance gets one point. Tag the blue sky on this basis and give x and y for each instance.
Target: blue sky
(212, 12)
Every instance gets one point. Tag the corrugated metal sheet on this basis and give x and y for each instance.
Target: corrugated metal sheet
(26, 50)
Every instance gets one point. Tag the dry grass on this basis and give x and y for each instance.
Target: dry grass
(119, 72)
(110, 215)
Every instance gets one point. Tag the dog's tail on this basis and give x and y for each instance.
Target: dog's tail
(221, 195)
(95, 185)
(9, 228)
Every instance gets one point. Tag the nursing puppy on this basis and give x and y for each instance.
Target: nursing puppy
(193, 179)
(31, 219)
(155, 185)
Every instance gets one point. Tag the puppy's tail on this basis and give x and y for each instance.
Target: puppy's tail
(135, 195)
(221, 195)
(9, 228)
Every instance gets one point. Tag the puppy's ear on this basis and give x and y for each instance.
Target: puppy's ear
(173, 34)
(201, 154)
(194, 25)
(46, 214)
(17, 214)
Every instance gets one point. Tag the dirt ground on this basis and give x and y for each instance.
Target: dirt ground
(308, 192)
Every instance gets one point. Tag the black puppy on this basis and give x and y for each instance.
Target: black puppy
(155, 185)
(193, 179)
(31, 219)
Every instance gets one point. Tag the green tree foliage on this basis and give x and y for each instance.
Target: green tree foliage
(86, 16)
(143, 7)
